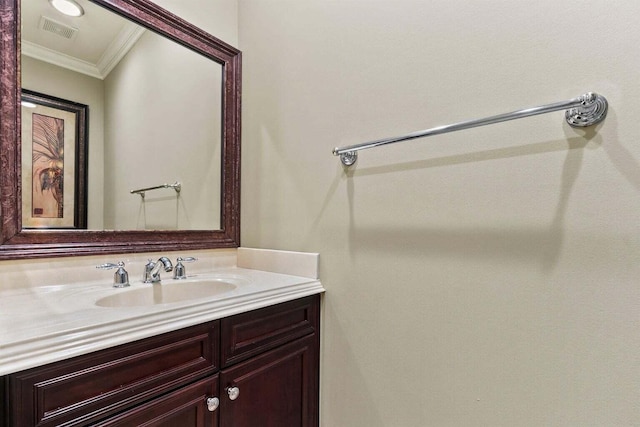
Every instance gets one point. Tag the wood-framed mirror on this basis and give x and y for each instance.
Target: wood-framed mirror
(20, 242)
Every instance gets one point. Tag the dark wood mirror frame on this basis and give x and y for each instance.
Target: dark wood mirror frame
(16, 243)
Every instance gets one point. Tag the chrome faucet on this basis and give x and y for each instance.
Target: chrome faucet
(152, 269)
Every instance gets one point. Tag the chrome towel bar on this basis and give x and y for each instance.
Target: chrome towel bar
(176, 186)
(585, 110)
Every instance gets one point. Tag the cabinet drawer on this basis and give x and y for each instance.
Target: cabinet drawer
(92, 386)
(184, 407)
(248, 334)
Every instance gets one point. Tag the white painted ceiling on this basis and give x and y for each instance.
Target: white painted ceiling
(101, 40)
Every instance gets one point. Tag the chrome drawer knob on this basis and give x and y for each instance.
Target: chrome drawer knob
(233, 392)
(213, 403)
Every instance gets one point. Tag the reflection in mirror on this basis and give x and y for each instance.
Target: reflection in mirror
(149, 123)
(144, 111)
(54, 153)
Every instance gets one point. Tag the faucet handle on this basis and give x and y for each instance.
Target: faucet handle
(120, 277)
(180, 272)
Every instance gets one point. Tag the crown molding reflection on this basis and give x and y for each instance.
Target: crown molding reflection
(116, 50)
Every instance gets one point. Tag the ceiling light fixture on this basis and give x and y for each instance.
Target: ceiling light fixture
(67, 7)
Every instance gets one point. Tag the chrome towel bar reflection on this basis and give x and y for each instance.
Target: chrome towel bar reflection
(176, 186)
(585, 110)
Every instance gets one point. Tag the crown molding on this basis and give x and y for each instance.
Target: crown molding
(119, 47)
(60, 59)
(114, 53)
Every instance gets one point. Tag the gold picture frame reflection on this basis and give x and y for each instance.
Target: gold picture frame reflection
(54, 162)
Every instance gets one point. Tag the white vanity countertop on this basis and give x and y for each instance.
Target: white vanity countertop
(46, 323)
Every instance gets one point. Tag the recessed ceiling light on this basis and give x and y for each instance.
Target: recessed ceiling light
(67, 7)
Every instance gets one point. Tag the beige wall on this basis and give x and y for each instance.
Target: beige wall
(161, 129)
(217, 17)
(62, 83)
(482, 278)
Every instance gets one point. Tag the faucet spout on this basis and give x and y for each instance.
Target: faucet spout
(152, 269)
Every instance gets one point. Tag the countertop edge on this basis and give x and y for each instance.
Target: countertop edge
(43, 350)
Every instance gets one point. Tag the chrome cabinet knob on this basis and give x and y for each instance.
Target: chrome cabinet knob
(212, 403)
(233, 392)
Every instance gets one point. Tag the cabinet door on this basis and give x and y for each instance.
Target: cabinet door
(276, 389)
(186, 407)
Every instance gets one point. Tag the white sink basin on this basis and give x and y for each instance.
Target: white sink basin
(167, 292)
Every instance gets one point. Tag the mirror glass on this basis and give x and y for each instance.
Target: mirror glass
(154, 111)
(155, 103)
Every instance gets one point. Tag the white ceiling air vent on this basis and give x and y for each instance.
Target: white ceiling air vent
(55, 27)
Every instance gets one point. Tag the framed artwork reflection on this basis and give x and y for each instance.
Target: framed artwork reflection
(54, 162)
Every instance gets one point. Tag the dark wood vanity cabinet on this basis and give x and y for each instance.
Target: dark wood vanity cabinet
(84, 389)
(184, 407)
(258, 368)
(279, 386)
(271, 361)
